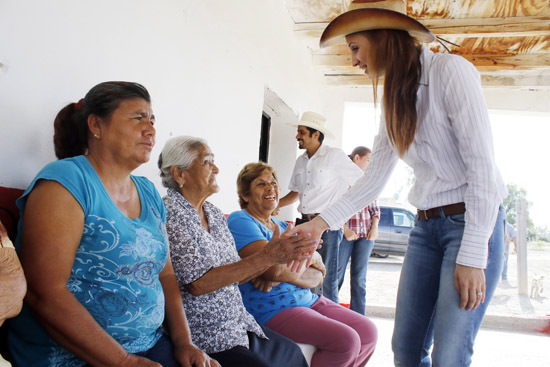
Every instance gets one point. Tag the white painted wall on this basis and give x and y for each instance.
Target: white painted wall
(204, 62)
(507, 99)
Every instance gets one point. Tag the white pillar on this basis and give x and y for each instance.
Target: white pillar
(521, 212)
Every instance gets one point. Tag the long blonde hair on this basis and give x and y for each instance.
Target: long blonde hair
(396, 55)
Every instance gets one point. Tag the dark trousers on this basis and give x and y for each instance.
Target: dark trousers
(276, 352)
(162, 352)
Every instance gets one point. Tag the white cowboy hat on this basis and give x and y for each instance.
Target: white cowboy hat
(384, 14)
(314, 121)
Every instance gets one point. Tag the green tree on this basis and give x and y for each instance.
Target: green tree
(516, 192)
(542, 233)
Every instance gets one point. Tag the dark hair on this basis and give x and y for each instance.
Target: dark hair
(397, 57)
(71, 123)
(312, 131)
(361, 150)
(249, 173)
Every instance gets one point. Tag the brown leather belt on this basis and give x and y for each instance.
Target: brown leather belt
(458, 208)
(309, 216)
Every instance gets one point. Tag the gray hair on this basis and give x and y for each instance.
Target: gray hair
(181, 152)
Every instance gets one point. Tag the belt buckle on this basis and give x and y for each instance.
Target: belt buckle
(425, 214)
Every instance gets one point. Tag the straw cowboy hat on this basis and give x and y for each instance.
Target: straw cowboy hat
(314, 121)
(383, 14)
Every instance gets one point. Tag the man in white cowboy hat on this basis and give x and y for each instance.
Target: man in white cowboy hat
(321, 175)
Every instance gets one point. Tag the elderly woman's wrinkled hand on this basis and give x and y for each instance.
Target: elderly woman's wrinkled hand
(315, 227)
(136, 361)
(188, 355)
(285, 248)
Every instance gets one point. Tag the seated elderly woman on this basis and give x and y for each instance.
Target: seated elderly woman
(342, 337)
(208, 267)
(94, 248)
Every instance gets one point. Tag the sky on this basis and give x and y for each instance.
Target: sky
(520, 139)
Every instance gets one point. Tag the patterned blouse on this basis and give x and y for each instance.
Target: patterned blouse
(218, 320)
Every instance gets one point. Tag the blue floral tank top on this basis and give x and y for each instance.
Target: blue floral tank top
(115, 272)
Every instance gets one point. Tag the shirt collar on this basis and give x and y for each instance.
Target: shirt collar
(184, 203)
(426, 58)
(322, 151)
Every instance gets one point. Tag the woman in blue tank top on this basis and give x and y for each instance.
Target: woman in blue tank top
(94, 249)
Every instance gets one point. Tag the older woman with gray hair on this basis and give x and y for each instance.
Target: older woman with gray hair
(208, 268)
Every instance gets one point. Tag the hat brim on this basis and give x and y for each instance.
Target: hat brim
(359, 20)
(324, 130)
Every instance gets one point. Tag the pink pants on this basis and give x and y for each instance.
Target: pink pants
(343, 338)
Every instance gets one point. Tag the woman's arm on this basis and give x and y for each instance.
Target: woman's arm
(282, 273)
(382, 163)
(12, 279)
(175, 322)
(282, 250)
(469, 119)
(52, 229)
(312, 277)
(288, 199)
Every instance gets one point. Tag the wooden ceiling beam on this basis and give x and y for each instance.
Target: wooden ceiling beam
(464, 28)
(481, 62)
(487, 81)
(489, 27)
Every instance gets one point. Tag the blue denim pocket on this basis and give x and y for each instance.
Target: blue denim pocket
(457, 219)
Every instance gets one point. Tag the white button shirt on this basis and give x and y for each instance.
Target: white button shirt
(323, 178)
(451, 155)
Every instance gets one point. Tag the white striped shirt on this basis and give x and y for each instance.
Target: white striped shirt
(451, 155)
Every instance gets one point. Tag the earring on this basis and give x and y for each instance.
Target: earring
(181, 185)
(96, 136)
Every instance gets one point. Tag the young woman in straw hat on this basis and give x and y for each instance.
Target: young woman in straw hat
(434, 118)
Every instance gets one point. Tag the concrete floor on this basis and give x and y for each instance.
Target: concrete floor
(509, 339)
(493, 348)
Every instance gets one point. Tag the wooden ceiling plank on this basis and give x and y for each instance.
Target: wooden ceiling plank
(481, 62)
(504, 62)
(464, 28)
(489, 27)
(487, 81)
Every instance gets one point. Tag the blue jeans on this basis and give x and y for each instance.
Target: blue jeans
(504, 275)
(505, 261)
(329, 253)
(359, 251)
(427, 309)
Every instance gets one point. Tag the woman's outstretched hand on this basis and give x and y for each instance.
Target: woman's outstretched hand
(287, 247)
(315, 228)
